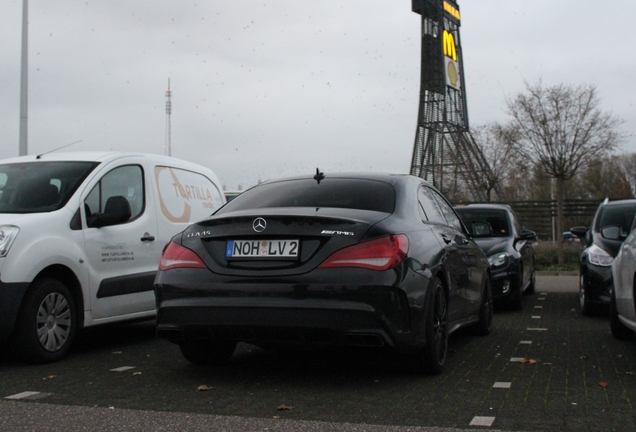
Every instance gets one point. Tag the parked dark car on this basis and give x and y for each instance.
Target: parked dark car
(371, 260)
(601, 243)
(509, 248)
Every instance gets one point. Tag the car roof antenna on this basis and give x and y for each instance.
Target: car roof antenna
(319, 176)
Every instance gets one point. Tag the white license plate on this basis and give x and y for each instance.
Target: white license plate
(262, 248)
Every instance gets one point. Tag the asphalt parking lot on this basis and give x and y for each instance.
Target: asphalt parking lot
(544, 368)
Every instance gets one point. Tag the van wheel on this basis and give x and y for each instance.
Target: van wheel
(46, 323)
(207, 352)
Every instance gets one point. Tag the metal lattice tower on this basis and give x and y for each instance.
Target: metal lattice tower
(445, 153)
(167, 148)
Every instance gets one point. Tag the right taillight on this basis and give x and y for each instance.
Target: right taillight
(380, 254)
(177, 256)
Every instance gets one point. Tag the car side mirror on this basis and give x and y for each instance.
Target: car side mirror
(481, 229)
(611, 232)
(579, 231)
(527, 235)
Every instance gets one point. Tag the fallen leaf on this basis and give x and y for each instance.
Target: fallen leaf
(630, 373)
(136, 373)
(529, 361)
(276, 417)
(603, 384)
(116, 352)
(49, 377)
(205, 388)
(284, 408)
(583, 357)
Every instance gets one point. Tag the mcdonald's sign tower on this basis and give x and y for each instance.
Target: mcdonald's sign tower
(445, 153)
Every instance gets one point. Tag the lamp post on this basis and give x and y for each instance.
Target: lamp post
(23, 80)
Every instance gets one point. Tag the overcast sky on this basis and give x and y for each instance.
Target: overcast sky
(271, 88)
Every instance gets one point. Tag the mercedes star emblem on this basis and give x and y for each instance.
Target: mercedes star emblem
(259, 224)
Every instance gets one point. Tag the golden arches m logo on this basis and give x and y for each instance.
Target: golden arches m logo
(450, 50)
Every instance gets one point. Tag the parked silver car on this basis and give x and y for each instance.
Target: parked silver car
(623, 301)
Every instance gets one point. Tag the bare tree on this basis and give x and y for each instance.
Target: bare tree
(627, 164)
(495, 141)
(561, 129)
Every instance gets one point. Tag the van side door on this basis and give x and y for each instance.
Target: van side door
(120, 226)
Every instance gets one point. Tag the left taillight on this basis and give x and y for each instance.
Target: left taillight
(177, 256)
(380, 254)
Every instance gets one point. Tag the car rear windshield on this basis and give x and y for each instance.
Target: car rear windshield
(360, 194)
(34, 187)
(620, 215)
(495, 218)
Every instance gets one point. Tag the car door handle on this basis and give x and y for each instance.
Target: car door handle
(147, 238)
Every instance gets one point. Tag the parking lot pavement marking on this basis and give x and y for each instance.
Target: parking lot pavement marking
(122, 369)
(30, 395)
(525, 342)
(536, 329)
(516, 359)
(482, 421)
(536, 317)
(502, 385)
(541, 298)
(538, 307)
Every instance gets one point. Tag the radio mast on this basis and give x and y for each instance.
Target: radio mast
(167, 148)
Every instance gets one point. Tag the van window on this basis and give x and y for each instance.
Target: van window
(125, 181)
(35, 187)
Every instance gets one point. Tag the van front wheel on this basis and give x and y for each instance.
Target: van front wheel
(46, 323)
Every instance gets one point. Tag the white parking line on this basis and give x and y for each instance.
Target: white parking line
(28, 395)
(517, 359)
(502, 385)
(122, 369)
(536, 317)
(526, 342)
(482, 421)
(538, 307)
(536, 329)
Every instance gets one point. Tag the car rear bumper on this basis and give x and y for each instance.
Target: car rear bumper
(298, 311)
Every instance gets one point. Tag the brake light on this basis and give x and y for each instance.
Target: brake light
(177, 256)
(379, 254)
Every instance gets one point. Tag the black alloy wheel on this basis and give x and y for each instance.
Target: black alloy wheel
(516, 291)
(484, 325)
(433, 356)
(587, 308)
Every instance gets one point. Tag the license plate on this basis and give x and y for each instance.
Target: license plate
(262, 249)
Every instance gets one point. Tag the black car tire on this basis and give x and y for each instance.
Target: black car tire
(207, 352)
(533, 284)
(587, 308)
(46, 324)
(619, 330)
(432, 357)
(516, 293)
(484, 325)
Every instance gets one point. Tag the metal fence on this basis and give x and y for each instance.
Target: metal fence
(540, 216)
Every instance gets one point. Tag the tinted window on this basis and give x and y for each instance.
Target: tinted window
(32, 187)
(451, 218)
(497, 219)
(616, 215)
(335, 192)
(430, 206)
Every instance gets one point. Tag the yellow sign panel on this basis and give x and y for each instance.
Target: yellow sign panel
(452, 11)
(450, 49)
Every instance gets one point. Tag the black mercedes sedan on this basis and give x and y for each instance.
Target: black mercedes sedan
(368, 260)
(509, 247)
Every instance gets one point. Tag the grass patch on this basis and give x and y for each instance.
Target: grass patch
(546, 257)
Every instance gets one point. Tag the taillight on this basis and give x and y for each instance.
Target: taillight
(176, 256)
(380, 254)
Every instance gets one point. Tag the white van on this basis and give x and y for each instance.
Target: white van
(80, 240)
